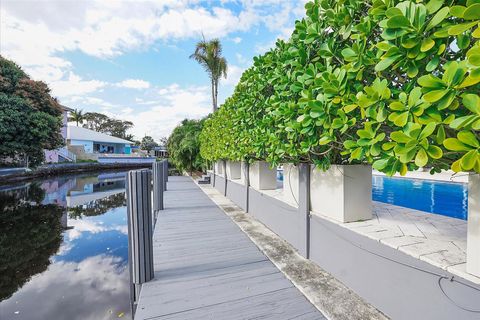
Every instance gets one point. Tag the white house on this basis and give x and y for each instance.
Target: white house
(87, 143)
(62, 154)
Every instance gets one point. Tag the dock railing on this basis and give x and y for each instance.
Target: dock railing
(142, 211)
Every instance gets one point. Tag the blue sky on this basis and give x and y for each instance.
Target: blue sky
(130, 61)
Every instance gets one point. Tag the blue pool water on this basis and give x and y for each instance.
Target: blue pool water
(445, 198)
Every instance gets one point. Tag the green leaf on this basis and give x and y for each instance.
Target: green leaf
(398, 21)
(457, 166)
(471, 102)
(438, 18)
(391, 12)
(380, 164)
(467, 137)
(474, 59)
(434, 152)
(314, 114)
(454, 144)
(430, 81)
(460, 28)
(440, 135)
(350, 108)
(401, 119)
(399, 136)
(427, 44)
(435, 95)
(433, 5)
(386, 62)
(422, 158)
(457, 11)
(432, 64)
(472, 12)
(324, 141)
(427, 130)
(468, 160)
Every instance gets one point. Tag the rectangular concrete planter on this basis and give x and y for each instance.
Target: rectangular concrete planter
(473, 233)
(234, 170)
(219, 168)
(262, 177)
(290, 183)
(343, 192)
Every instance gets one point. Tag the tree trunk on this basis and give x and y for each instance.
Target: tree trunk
(216, 94)
(213, 96)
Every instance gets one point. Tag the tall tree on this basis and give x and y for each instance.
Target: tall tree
(148, 143)
(184, 146)
(30, 118)
(101, 123)
(76, 116)
(209, 55)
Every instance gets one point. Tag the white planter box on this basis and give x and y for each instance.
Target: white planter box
(290, 183)
(219, 168)
(262, 177)
(234, 170)
(473, 233)
(343, 193)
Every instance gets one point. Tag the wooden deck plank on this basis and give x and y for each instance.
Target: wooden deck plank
(207, 268)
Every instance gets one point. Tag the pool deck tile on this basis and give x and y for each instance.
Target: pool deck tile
(436, 239)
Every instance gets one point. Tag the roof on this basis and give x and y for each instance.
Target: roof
(66, 108)
(79, 133)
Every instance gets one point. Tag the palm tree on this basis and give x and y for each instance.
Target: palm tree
(209, 55)
(76, 116)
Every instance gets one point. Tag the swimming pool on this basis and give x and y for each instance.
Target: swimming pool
(445, 198)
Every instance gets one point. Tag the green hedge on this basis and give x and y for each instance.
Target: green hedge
(391, 83)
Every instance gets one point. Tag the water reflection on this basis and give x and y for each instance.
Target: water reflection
(63, 249)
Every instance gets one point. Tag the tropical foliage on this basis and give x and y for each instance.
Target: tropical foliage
(30, 118)
(184, 146)
(209, 55)
(391, 83)
(102, 123)
(76, 116)
(148, 143)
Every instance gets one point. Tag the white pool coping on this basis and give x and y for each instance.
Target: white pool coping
(438, 240)
(447, 176)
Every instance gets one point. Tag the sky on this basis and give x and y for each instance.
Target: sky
(130, 59)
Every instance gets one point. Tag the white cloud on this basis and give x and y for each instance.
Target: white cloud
(167, 108)
(233, 75)
(99, 282)
(74, 85)
(237, 40)
(134, 84)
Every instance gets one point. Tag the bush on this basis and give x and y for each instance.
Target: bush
(184, 147)
(30, 118)
(389, 83)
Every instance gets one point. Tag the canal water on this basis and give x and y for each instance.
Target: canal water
(64, 249)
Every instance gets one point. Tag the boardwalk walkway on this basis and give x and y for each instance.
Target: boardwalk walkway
(207, 268)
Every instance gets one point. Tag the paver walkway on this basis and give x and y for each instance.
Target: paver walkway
(207, 268)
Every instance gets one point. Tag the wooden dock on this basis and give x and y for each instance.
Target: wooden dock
(207, 268)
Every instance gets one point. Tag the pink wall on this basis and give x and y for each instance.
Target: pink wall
(51, 156)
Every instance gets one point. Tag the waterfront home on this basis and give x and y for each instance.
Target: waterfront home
(61, 154)
(88, 144)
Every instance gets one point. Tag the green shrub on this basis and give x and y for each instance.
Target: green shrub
(184, 147)
(391, 83)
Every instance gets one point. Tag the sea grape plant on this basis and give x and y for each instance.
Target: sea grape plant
(391, 83)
